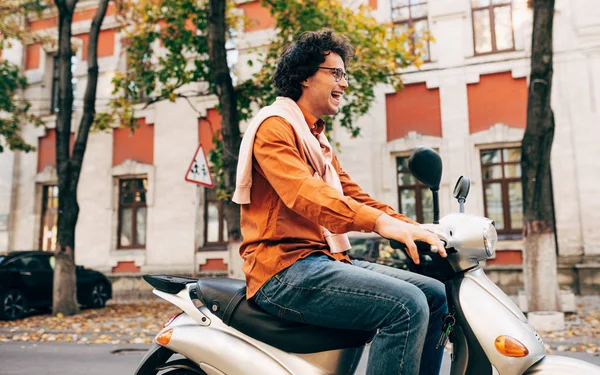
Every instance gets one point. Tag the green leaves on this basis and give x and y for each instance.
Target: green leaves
(181, 65)
(11, 82)
(380, 52)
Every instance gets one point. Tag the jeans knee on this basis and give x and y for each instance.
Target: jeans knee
(413, 309)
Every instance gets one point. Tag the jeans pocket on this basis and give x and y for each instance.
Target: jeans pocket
(291, 315)
(273, 308)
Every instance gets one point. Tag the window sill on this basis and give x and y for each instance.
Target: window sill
(214, 247)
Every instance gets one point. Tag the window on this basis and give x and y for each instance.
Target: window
(410, 15)
(48, 227)
(502, 192)
(215, 226)
(132, 213)
(492, 26)
(415, 199)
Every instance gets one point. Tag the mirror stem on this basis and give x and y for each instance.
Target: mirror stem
(461, 205)
(436, 207)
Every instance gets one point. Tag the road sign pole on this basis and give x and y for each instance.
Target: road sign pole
(196, 232)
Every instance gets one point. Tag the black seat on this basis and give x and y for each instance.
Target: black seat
(226, 298)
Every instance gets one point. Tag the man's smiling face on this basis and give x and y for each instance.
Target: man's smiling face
(321, 93)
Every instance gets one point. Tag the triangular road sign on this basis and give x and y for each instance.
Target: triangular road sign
(198, 171)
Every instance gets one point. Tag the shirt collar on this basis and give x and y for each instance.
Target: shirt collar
(316, 125)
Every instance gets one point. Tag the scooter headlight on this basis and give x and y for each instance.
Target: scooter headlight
(490, 239)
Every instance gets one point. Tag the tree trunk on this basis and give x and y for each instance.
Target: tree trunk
(228, 107)
(540, 262)
(69, 167)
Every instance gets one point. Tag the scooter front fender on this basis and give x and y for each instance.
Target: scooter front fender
(557, 365)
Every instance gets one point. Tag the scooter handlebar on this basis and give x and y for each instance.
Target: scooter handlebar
(422, 247)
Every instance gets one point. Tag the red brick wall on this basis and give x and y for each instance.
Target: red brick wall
(126, 267)
(258, 17)
(32, 56)
(214, 265)
(497, 98)
(205, 133)
(46, 149)
(106, 43)
(416, 108)
(138, 146)
(506, 257)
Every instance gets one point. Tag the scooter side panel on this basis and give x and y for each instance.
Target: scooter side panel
(555, 365)
(235, 353)
(489, 318)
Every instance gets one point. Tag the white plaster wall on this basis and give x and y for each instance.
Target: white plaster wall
(7, 159)
(93, 233)
(171, 226)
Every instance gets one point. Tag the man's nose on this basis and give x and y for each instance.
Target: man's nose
(343, 83)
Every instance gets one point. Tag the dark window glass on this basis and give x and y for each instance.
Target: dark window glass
(132, 213)
(415, 199)
(215, 226)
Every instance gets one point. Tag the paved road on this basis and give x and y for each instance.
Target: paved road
(26, 358)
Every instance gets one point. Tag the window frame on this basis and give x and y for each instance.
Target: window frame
(417, 187)
(490, 9)
(134, 206)
(507, 232)
(410, 21)
(223, 240)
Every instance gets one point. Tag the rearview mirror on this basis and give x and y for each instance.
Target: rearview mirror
(461, 190)
(426, 165)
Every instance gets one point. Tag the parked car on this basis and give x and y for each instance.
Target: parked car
(26, 279)
(376, 249)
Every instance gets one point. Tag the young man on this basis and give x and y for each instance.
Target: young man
(297, 204)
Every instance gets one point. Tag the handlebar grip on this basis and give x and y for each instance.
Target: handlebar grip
(422, 247)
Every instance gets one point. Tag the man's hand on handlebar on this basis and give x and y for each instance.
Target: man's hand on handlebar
(388, 227)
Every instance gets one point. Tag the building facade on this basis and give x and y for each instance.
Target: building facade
(468, 101)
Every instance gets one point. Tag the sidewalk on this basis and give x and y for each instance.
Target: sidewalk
(138, 322)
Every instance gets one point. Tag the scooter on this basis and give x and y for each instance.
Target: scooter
(219, 332)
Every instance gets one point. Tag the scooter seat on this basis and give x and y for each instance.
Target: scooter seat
(226, 298)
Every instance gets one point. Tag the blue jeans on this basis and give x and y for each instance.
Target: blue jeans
(407, 308)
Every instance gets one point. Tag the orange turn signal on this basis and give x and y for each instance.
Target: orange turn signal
(164, 337)
(510, 347)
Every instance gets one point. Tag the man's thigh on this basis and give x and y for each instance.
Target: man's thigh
(321, 291)
(433, 289)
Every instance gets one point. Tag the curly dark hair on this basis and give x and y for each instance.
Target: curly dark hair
(301, 59)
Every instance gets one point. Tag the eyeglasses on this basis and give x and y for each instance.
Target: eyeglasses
(337, 73)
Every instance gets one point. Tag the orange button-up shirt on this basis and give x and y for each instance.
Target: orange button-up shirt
(289, 205)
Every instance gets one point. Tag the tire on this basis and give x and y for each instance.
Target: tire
(13, 305)
(98, 295)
